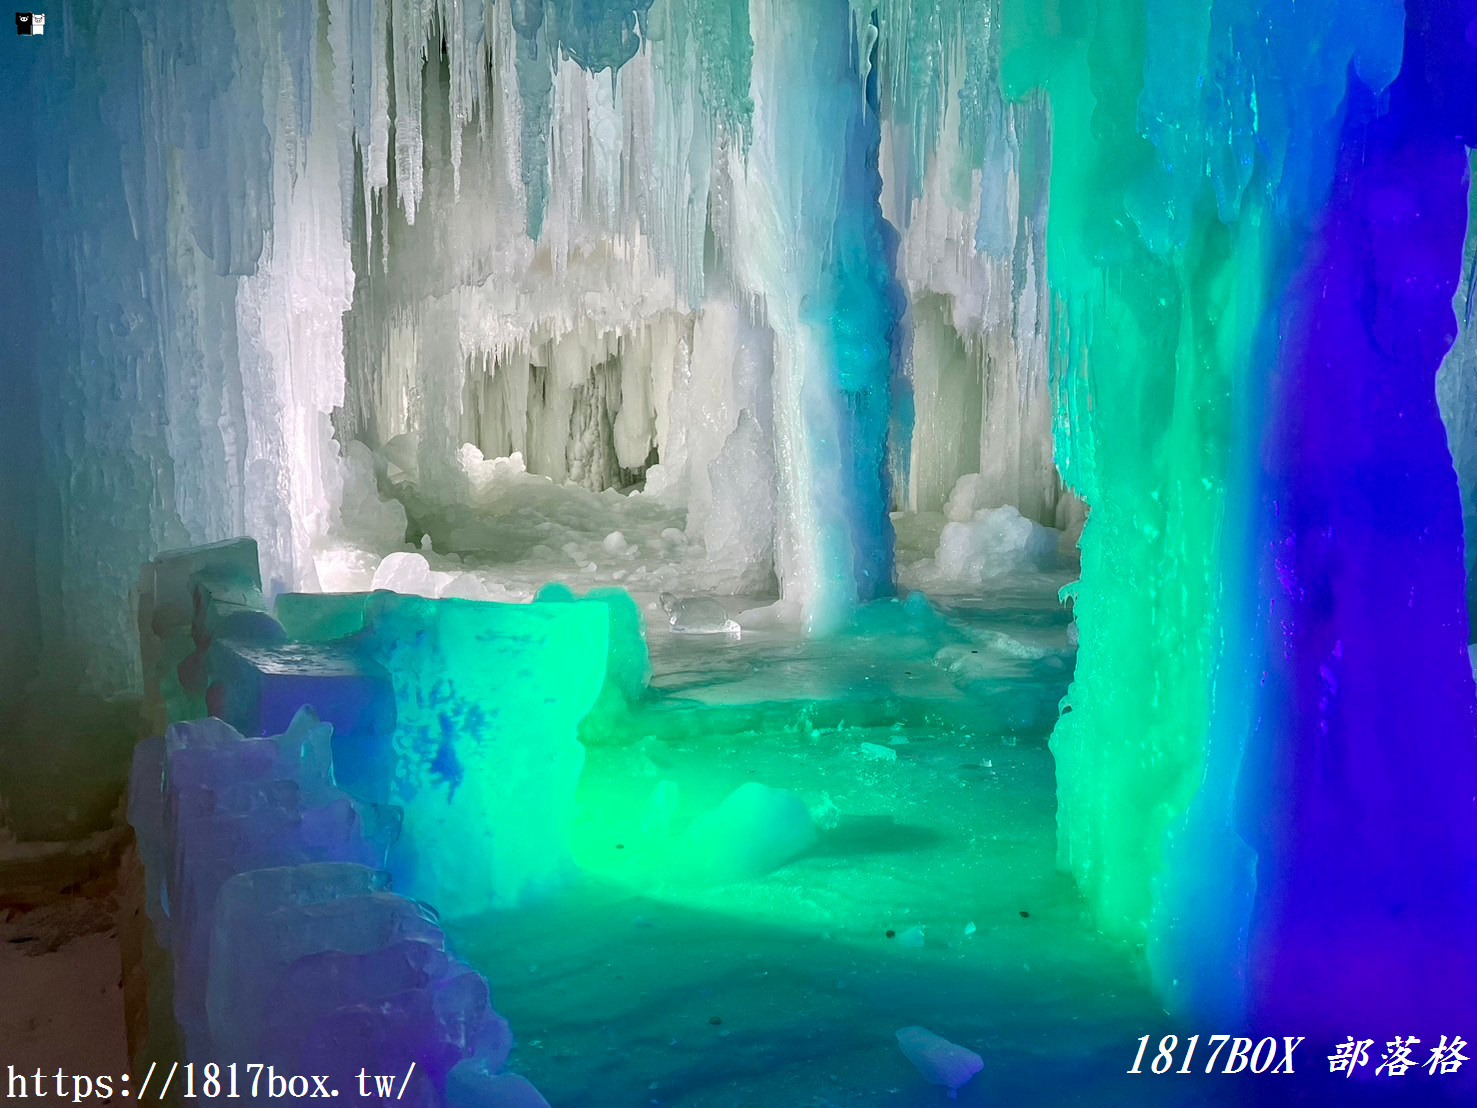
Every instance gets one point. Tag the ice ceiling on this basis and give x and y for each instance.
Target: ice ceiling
(785, 268)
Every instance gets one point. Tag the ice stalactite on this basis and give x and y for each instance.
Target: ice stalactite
(534, 287)
(595, 36)
(819, 256)
(505, 328)
(965, 181)
(700, 53)
(602, 338)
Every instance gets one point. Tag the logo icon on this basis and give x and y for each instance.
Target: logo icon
(30, 23)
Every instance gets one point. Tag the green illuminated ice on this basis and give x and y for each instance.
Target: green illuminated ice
(1146, 348)
(1188, 148)
(488, 701)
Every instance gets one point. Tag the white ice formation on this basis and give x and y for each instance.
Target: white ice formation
(329, 262)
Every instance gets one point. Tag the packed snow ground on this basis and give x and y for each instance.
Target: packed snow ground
(59, 975)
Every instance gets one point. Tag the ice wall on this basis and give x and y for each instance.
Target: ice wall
(811, 243)
(1271, 728)
(1456, 391)
(1149, 340)
(199, 271)
(1369, 858)
(20, 447)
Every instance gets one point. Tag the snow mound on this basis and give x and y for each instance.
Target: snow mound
(995, 541)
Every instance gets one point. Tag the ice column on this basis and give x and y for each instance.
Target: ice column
(817, 254)
(1268, 768)
(1150, 327)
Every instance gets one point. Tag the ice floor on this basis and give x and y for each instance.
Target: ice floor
(917, 741)
(931, 898)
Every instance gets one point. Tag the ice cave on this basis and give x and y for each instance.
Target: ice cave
(782, 553)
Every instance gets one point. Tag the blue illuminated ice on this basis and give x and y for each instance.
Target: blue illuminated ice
(940, 1061)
